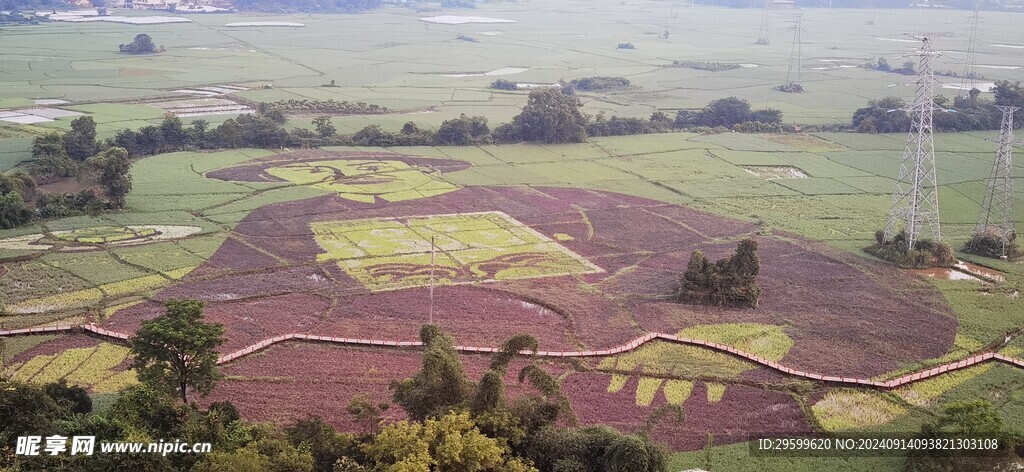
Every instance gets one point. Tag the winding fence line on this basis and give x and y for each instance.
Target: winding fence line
(630, 346)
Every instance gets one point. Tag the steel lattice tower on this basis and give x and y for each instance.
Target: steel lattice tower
(997, 207)
(762, 37)
(793, 75)
(970, 74)
(915, 201)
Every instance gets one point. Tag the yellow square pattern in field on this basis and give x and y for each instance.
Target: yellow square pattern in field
(394, 253)
(365, 180)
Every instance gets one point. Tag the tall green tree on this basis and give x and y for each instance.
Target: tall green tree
(551, 116)
(323, 126)
(80, 141)
(111, 171)
(440, 385)
(177, 352)
(13, 212)
(51, 159)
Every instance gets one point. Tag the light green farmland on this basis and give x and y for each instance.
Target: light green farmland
(405, 65)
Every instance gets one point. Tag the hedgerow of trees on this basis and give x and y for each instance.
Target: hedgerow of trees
(973, 112)
(105, 174)
(729, 281)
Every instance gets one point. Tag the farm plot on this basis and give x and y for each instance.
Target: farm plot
(201, 107)
(363, 253)
(364, 181)
(97, 366)
(387, 254)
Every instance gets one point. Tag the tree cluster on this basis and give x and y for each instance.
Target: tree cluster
(331, 107)
(968, 420)
(729, 281)
(925, 253)
(882, 65)
(143, 44)
(970, 113)
(8, 17)
(105, 170)
(727, 112)
(504, 84)
(598, 84)
(706, 65)
(525, 429)
(14, 188)
(33, 5)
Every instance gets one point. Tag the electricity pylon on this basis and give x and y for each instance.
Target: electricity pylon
(915, 201)
(997, 207)
(762, 36)
(794, 76)
(970, 74)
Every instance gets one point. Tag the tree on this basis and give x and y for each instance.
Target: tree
(177, 352)
(73, 397)
(882, 116)
(143, 44)
(595, 448)
(366, 412)
(732, 280)
(173, 133)
(51, 159)
(462, 131)
(450, 442)
(25, 409)
(1009, 94)
(326, 445)
(726, 112)
(410, 128)
(324, 127)
(966, 419)
(111, 171)
(504, 84)
(440, 385)
(13, 212)
(551, 116)
(80, 141)
(265, 454)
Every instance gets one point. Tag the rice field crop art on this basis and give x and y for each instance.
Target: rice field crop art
(364, 180)
(86, 238)
(396, 253)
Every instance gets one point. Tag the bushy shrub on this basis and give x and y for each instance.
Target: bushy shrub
(988, 243)
(504, 84)
(925, 253)
(729, 281)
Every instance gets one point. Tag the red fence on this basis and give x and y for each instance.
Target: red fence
(632, 345)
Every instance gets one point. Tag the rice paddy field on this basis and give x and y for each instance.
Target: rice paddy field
(580, 245)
